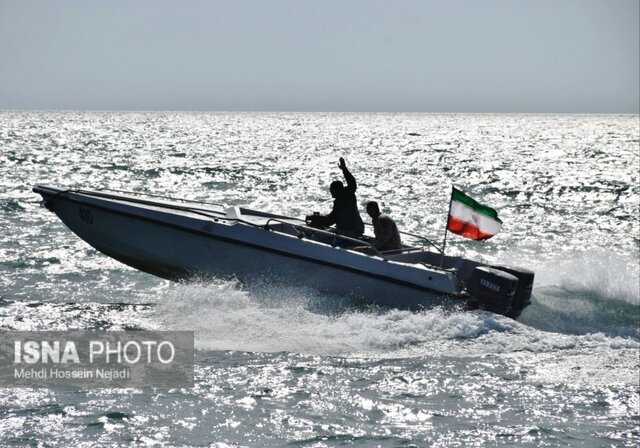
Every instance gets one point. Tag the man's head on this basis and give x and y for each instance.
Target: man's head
(372, 209)
(335, 188)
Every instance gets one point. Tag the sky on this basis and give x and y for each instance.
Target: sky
(489, 56)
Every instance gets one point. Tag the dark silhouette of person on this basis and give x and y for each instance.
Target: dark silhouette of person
(345, 214)
(384, 228)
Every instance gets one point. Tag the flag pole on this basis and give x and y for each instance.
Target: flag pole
(446, 229)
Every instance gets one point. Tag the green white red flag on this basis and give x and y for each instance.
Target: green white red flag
(470, 219)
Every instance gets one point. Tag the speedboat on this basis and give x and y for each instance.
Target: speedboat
(182, 240)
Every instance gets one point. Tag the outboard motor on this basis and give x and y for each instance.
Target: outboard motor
(522, 297)
(493, 289)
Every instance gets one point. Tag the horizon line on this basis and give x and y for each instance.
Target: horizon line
(314, 111)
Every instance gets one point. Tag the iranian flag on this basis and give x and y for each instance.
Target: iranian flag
(470, 219)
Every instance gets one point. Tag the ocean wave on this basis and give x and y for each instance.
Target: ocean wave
(588, 292)
(225, 317)
(11, 206)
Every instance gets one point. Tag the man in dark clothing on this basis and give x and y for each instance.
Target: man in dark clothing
(345, 213)
(384, 228)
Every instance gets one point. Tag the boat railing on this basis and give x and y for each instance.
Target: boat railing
(151, 195)
(334, 235)
(206, 212)
(171, 198)
(423, 238)
(419, 237)
(141, 200)
(403, 250)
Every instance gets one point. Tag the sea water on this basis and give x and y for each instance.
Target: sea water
(285, 365)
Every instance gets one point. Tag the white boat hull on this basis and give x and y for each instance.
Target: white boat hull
(186, 247)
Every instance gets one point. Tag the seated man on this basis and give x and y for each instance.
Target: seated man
(384, 228)
(345, 214)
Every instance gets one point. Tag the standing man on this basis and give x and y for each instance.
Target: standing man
(345, 214)
(385, 229)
